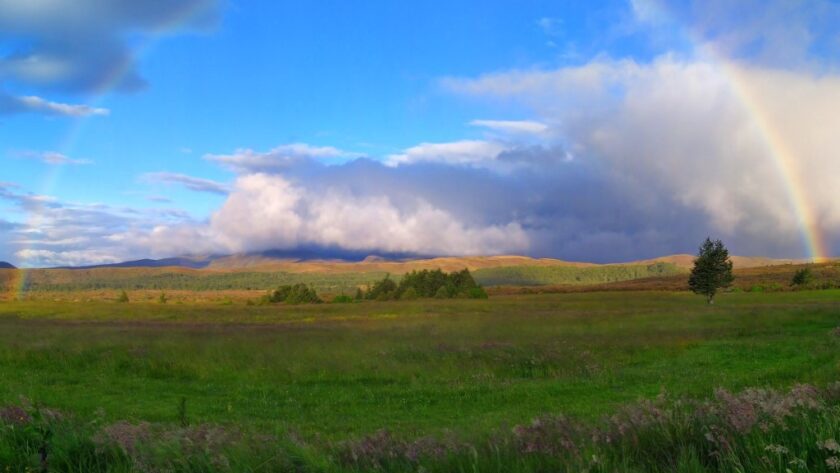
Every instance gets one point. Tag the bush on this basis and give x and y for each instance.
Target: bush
(342, 299)
(382, 290)
(123, 297)
(409, 294)
(802, 277)
(476, 293)
(427, 284)
(302, 294)
(296, 294)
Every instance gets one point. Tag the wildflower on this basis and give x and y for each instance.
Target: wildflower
(833, 463)
(777, 449)
(831, 445)
(798, 463)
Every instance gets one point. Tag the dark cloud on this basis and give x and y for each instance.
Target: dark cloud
(85, 45)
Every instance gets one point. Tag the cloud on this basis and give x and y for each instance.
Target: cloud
(192, 183)
(33, 104)
(512, 126)
(458, 152)
(282, 157)
(550, 26)
(776, 33)
(52, 157)
(696, 136)
(83, 45)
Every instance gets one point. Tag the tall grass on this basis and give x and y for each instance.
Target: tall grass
(756, 430)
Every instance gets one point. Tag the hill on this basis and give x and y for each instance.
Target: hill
(5, 265)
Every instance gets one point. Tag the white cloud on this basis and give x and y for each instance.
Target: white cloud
(10, 104)
(268, 212)
(457, 152)
(513, 126)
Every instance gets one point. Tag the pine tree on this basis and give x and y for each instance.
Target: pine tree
(712, 270)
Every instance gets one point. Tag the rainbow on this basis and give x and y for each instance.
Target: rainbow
(177, 17)
(784, 159)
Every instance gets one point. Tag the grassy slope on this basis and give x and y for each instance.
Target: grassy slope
(414, 367)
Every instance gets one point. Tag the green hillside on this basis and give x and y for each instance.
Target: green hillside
(542, 275)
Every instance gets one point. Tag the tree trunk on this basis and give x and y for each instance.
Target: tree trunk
(710, 299)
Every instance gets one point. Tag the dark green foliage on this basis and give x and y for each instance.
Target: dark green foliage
(123, 297)
(162, 299)
(428, 284)
(477, 293)
(342, 299)
(294, 294)
(409, 294)
(802, 277)
(712, 269)
(360, 294)
(383, 289)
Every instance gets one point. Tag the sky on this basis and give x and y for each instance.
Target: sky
(600, 131)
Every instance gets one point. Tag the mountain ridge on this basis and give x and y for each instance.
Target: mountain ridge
(311, 262)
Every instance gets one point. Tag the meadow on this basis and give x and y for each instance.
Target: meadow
(310, 388)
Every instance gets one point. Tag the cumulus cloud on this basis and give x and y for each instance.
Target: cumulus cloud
(190, 182)
(697, 135)
(32, 104)
(265, 212)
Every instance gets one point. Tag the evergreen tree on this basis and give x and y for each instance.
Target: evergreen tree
(712, 270)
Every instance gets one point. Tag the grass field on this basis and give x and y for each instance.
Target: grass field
(340, 371)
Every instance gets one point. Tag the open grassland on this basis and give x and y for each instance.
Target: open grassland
(465, 369)
(196, 286)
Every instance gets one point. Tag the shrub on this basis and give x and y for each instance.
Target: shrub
(302, 294)
(123, 297)
(297, 294)
(442, 293)
(162, 299)
(382, 290)
(476, 293)
(409, 294)
(802, 277)
(342, 299)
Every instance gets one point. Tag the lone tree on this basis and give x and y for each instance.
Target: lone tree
(712, 270)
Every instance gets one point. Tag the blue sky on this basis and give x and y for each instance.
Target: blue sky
(372, 107)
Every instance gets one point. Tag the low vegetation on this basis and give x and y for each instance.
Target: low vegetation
(756, 430)
(625, 382)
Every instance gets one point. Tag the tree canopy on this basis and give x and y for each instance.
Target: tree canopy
(712, 269)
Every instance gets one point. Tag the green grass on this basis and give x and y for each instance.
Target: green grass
(340, 370)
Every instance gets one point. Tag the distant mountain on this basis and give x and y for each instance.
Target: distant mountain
(5, 265)
(194, 262)
(336, 260)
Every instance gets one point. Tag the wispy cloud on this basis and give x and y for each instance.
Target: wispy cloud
(34, 104)
(513, 126)
(246, 160)
(53, 157)
(190, 182)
